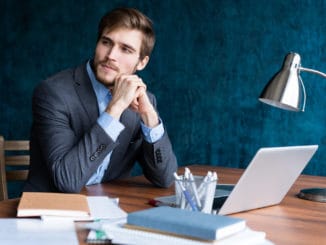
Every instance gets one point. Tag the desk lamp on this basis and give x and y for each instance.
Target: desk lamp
(286, 91)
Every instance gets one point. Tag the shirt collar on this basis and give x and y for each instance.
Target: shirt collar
(100, 90)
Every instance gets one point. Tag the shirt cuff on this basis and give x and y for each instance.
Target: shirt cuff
(110, 125)
(153, 134)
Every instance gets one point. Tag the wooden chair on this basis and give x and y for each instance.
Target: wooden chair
(14, 161)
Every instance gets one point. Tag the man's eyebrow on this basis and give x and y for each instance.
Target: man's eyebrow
(106, 38)
(125, 45)
(128, 47)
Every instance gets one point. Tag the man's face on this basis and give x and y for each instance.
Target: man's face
(117, 52)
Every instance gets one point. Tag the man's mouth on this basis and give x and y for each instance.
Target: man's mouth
(108, 67)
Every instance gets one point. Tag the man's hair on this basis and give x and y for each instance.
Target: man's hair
(131, 19)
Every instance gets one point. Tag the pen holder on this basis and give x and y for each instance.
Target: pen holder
(196, 195)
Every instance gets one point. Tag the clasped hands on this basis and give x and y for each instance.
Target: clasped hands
(129, 91)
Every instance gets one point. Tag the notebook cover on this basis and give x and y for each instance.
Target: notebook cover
(52, 204)
(187, 223)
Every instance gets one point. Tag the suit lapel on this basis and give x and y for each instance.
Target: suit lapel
(86, 92)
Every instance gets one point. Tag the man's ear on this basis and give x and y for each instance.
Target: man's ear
(142, 63)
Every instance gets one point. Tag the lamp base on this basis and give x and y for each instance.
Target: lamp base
(313, 194)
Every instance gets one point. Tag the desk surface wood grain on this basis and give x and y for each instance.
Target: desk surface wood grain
(293, 221)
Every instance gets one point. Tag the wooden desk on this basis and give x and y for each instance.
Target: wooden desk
(294, 221)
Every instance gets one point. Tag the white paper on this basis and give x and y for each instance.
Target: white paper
(123, 235)
(35, 231)
(102, 207)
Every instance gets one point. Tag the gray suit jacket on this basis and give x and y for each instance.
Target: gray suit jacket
(68, 145)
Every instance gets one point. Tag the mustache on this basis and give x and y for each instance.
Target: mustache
(110, 65)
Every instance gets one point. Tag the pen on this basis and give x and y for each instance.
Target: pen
(210, 192)
(193, 186)
(157, 203)
(180, 201)
(203, 184)
(186, 193)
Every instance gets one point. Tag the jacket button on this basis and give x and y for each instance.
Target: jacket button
(101, 147)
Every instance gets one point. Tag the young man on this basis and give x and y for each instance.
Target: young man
(92, 123)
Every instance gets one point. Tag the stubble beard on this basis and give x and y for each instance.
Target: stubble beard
(100, 75)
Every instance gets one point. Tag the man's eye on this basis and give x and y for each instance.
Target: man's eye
(127, 50)
(106, 42)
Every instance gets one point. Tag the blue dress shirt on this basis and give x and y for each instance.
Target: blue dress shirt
(112, 126)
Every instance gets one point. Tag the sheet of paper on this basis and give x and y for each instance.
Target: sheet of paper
(35, 231)
(121, 235)
(101, 207)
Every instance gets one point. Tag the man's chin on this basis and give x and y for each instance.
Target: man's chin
(108, 82)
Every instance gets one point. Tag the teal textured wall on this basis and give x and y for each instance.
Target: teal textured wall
(210, 63)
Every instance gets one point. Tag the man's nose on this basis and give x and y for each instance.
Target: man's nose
(112, 52)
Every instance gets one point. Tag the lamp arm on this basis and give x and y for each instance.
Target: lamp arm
(313, 71)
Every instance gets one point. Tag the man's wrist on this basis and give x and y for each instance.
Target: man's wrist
(111, 126)
(150, 119)
(152, 135)
(114, 111)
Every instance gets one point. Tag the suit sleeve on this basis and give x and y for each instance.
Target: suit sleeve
(158, 159)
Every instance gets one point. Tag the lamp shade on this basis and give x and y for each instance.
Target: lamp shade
(285, 90)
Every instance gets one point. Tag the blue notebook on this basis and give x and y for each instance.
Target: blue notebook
(186, 223)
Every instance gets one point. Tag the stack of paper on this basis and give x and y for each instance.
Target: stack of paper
(166, 225)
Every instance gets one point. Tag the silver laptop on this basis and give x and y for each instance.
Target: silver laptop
(266, 180)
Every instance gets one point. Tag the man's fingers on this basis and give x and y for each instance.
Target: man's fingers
(135, 102)
(130, 80)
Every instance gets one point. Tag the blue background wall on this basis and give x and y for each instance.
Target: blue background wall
(210, 63)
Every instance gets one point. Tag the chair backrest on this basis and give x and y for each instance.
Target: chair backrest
(14, 161)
